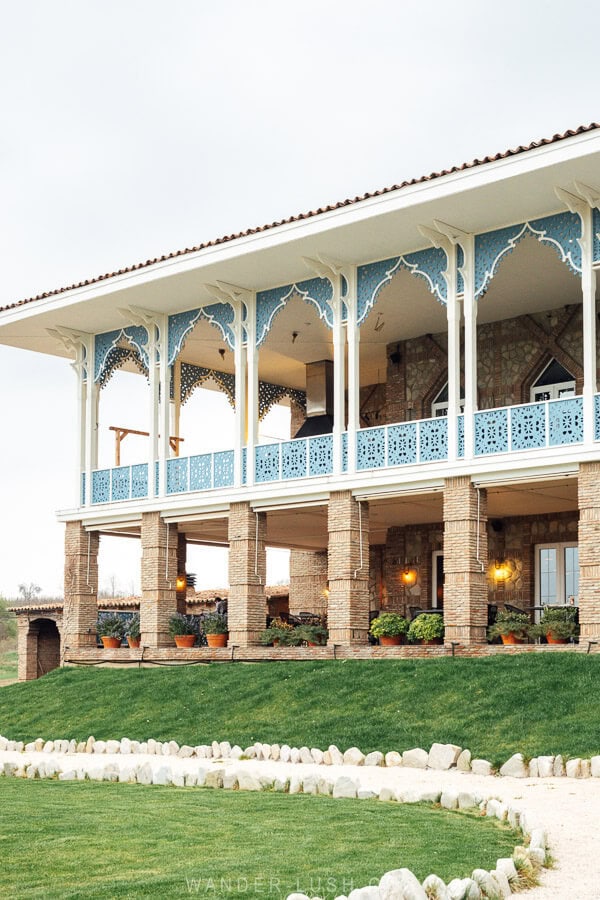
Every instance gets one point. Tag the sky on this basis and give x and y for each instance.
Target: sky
(131, 128)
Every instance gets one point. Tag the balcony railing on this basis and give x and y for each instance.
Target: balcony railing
(509, 429)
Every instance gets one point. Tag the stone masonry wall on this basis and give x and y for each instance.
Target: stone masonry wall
(81, 585)
(159, 574)
(308, 581)
(589, 550)
(246, 606)
(348, 569)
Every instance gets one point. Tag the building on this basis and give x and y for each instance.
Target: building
(436, 344)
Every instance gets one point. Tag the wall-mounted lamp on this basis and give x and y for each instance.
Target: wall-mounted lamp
(408, 576)
(181, 584)
(500, 570)
(325, 592)
(222, 352)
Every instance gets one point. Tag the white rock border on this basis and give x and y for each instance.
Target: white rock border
(441, 757)
(58, 759)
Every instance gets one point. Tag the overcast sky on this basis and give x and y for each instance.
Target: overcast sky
(133, 128)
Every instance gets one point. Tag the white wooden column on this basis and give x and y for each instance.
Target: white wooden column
(164, 384)
(353, 338)
(91, 418)
(252, 386)
(583, 206)
(240, 363)
(467, 242)
(176, 400)
(442, 241)
(339, 375)
(153, 406)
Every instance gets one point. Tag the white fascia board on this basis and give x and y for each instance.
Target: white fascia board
(441, 187)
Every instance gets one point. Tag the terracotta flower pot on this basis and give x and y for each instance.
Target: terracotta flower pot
(110, 643)
(511, 638)
(185, 640)
(555, 640)
(393, 640)
(134, 642)
(216, 640)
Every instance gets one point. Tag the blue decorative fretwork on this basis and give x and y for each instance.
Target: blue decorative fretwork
(82, 498)
(180, 325)
(293, 459)
(433, 439)
(270, 394)
(428, 264)
(491, 431)
(370, 448)
(139, 480)
(561, 231)
(565, 421)
(597, 417)
(528, 426)
(266, 462)
(244, 465)
(460, 425)
(101, 486)
(117, 357)
(177, 475)
(596, 230)
(402, 444)
(201, 472)
(223, 468)
(135, 335)
(345, 451)
(193, 376)
(121, 485)
(460, 261)
(320, 455)
(318, 291)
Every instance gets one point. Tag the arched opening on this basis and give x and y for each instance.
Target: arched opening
(47, 645)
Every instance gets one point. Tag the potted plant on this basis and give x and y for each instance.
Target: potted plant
(511, 627)
(183, 629)
(111, 629)
(389, 628)
(215, 628)
(428, 628)
(558, 626)
(313, 635)
(132, 631)
(279, 633)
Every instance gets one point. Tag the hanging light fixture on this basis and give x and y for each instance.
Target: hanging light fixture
(181, 583)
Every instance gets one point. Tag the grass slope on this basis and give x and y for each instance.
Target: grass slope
(537, 704)
(121, 840)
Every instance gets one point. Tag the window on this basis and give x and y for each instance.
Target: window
(554, 382)
(557, 574)
(439, 407)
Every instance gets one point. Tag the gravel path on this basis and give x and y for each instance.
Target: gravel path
(568, 809)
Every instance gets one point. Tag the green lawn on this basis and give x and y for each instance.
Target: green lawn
(8, 665)
(534, 703)
(82, 840)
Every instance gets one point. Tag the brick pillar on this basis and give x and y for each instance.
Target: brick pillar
(589, 550)
(246, 605)
(348, 605)
(27, 649)
(159, 573)
(181, 570)
(308, 581)
(81, 586)
(465, 589)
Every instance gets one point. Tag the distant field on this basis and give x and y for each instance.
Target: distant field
(534, 703)
(119, 840)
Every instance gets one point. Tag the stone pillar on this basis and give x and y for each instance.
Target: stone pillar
(159, 574)
(308, 581)
(393, 559)
(348, 568)
(246, 605)
(589, 550)
(81, 586)
(27, 649)
(465, 589)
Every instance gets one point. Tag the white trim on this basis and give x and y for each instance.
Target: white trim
(434, 585)
(561, 598)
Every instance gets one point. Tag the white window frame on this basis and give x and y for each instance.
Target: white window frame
(561, 598)
(557, 391)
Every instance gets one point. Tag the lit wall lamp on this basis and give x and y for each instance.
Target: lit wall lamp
(325, 592)
(408, 576)
(181, 584)
(500, 570)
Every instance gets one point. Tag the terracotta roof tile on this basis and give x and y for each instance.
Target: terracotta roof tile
(572, 132)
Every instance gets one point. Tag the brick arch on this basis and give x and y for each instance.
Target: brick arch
(39, 646)
(544, 358)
